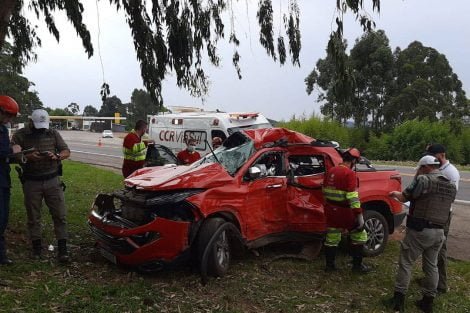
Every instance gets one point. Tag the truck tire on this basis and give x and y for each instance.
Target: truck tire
(220, 254)
(376, 227)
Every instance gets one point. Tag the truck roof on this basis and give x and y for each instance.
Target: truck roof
(267, 135)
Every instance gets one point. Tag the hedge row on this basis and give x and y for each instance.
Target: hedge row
(406, 142)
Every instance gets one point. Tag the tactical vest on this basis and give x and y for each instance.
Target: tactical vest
(434, 206)
(45, 141)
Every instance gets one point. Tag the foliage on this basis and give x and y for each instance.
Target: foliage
(387, 89)
(172, 36)
(253, 284)
(409, 140)
(141, 105)
(426, 86)
(13, 84)
(73, 108)
(112, 105)
(59, 112)
(318, 128)
(464, 141)
(379, 147)
(359, 137)
(372, 61)
(337, 95)
(90, 110)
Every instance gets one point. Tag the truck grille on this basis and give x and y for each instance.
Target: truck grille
(115, 244)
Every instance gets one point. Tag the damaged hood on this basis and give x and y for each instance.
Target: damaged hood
(179, 177)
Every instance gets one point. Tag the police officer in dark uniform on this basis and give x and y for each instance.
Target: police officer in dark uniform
(8, 110)
(431, 195)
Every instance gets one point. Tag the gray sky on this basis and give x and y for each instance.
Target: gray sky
(63, 74)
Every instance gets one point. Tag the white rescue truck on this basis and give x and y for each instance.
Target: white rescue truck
(172, 130)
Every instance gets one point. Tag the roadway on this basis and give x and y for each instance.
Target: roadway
(407, 174)
(90, 148)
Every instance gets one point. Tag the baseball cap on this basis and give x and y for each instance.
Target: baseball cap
(436, 148)
(40, 118)
(428, 160)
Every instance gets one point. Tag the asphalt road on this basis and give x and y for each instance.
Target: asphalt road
(91, 148)
(407, 174)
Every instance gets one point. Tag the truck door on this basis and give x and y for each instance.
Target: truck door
(305, 199)
(267, 195)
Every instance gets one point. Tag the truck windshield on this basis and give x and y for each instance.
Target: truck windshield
(231, 158)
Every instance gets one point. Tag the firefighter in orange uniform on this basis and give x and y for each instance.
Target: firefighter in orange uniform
(343, 211)
(134, 147)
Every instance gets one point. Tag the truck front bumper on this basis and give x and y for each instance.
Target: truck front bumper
(159, 242)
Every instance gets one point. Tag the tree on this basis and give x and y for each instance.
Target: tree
(59, 112)
(112, 105)
(372, 62)
(90, 110)
(425, 87)
(384, 89)
(336, 92)
(172, 36)
(15, 85)
(140, 107)
(73, 108)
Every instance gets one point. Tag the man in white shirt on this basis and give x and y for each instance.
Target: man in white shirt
(451, 172)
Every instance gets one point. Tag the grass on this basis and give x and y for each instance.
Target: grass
(254, 284)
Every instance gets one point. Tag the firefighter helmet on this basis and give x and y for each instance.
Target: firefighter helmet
(9, 105)
(353, 153)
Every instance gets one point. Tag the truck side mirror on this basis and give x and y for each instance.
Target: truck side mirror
(254, 172)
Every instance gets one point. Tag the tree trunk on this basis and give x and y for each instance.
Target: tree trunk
(6, 8)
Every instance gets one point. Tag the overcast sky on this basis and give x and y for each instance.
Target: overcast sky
(63, 73)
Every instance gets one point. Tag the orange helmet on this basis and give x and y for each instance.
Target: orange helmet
(353, 152)
(9, 105)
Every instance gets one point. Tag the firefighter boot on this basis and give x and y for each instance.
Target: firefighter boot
(3, 257)
(37, 249)
(330, 256)
(425, 304)
(358, 266)
(398, 302)
(62, 254)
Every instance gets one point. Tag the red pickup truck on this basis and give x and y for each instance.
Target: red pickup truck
(261, 186)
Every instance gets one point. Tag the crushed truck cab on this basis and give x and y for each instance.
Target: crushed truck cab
(262, 186)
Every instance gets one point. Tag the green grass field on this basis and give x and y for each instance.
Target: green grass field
(254, 284)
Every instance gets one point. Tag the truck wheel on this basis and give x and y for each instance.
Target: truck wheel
(377, 233)
(220, 252)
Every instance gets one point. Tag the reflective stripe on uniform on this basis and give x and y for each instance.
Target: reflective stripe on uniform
(342, 196)
(333, 237)
(358, 237)
(137, 153)
(353, 198)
